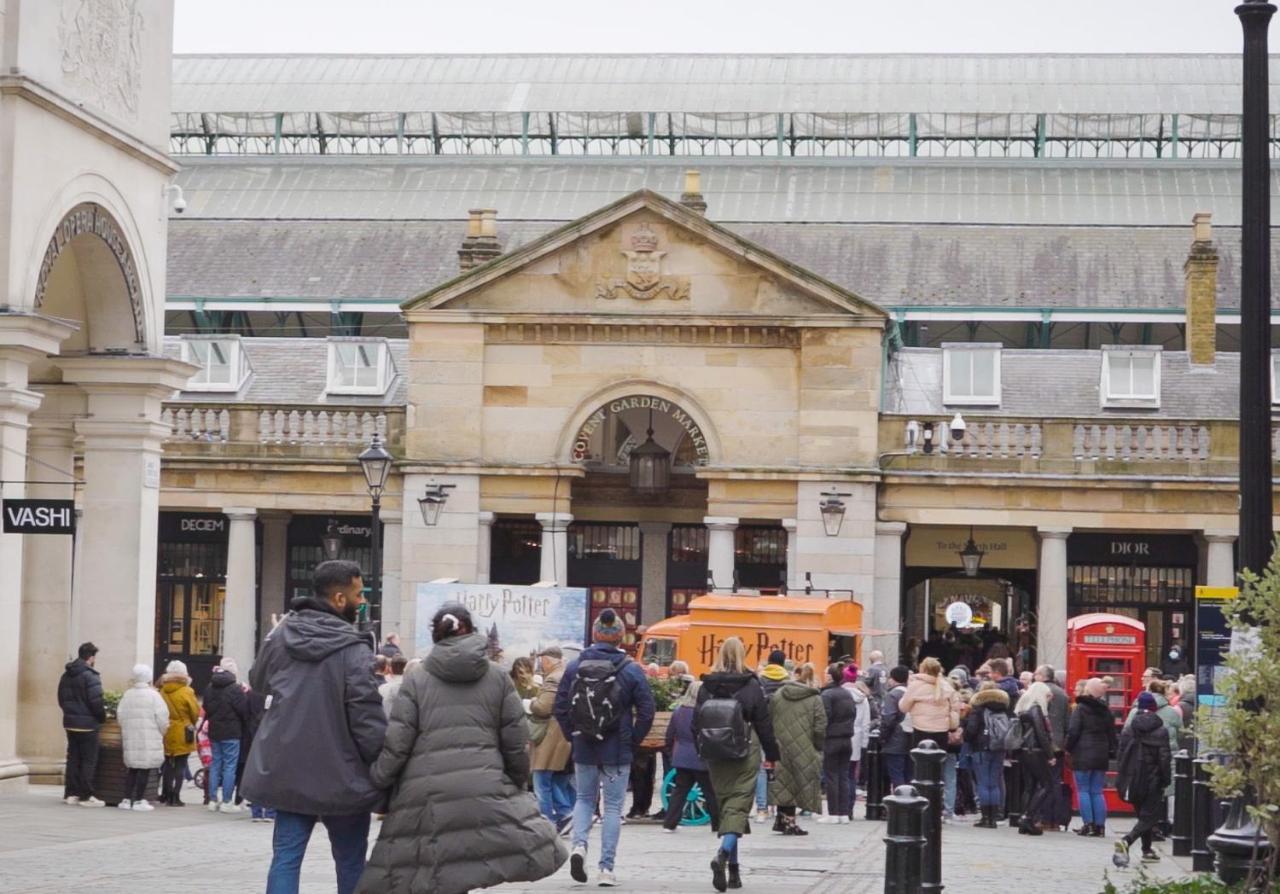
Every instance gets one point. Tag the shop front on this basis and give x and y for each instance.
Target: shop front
(1148, 577)
(963, 618)
(307, 549)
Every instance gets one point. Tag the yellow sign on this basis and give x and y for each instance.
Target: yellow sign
(939, 547)
(1217, 592)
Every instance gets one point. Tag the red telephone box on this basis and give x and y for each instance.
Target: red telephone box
(1114, 646)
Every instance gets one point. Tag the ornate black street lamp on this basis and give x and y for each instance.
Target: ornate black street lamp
(375, 462)
(971, 556)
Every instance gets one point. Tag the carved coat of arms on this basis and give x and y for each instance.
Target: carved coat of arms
(102, 51)
(644, 280)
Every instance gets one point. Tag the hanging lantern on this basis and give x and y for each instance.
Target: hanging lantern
(331, 541)
(650, 465)
(971, 556)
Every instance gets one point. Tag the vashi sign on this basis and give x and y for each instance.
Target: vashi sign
(39, 516)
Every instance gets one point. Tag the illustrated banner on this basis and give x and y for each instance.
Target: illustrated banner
(517, 620)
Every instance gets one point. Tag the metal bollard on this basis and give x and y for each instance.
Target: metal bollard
(926, 765)
(1013, 790)
(1241, 846)
(875, 777)
(1202, 800)
(1181, 837)
(905, 841)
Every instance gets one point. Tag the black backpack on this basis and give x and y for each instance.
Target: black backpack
(997, 726)
(722, 730)
(596, 706)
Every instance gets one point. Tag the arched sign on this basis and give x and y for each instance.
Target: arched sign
(659, 406)
(91, 219)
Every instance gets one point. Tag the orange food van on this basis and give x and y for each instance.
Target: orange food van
(805, 629)
(1115, 646)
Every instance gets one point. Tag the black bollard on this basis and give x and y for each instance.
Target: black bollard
(875, 777)
(905, 841)
(926, 766)
(1201, 815)
(1181, 837)
(1013, 789)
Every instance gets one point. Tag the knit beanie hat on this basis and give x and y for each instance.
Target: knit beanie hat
(1147, 702)
(778, 657)
(175, 667)
(851, 673)
(608, 628)
(141, 674)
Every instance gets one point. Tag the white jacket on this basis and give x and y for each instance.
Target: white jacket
(861, 719)
(144, 719)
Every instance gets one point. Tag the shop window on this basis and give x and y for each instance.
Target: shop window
(223, 366)
(358, 366)
(971, 374)
(608, 542)
(1131, 378)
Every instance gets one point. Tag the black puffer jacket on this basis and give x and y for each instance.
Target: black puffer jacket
(1144, 769)
(226, 709)
(755, 707)
(80, 697)
(984, 701)
(1091, 734)
(841, 714)
(324, 723)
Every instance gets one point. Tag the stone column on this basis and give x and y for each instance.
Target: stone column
(886, 602)
(653, 571)
(392, 549)
(721, 550)
(122, 445)
(46, 592)
(275, 569)
(1221, 565)
(555, 547)
(484, 548)
(793, 546)
(23, 338)
(238, 611)
(1051, 608)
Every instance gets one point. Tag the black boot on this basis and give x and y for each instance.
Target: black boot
(718, 880)
(1085, 831)
(735, 880)
(1098, 832)
(779, 822)
(988, 820)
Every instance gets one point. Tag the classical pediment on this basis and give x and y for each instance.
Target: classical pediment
(645, 255)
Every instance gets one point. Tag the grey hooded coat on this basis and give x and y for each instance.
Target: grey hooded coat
(457, 763)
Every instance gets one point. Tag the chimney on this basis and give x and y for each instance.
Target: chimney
(480, 245)
(692, 198)
(1201, 273)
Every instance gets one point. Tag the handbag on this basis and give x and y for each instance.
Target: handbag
(189, 734)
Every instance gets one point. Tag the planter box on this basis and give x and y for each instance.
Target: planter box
(657, 738)
(108, 782)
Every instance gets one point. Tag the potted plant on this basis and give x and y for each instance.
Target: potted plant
(665, 693)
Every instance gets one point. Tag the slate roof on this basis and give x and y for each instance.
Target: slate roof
(289, 371)
(1064, 383)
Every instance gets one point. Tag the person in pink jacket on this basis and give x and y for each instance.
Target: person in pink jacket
(931, 702)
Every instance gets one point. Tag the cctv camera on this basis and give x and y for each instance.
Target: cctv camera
(174, 192)
(179, 204)
(957, 428)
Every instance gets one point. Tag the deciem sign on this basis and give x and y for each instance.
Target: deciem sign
(39, 516)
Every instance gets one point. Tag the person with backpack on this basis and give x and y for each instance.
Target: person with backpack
(1038, 761)
(731, 728)
(800, 726)
(986, 730)
(895, 728)
(605, 707)
(1091, 740)
(1143, 772)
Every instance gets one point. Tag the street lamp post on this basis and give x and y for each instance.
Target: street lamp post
(375, 462)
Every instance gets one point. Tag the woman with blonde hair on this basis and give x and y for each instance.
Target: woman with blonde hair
(806, 674)
(931, 702)
(731, 726)
(1037, 754)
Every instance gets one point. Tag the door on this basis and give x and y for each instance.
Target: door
(190, 599)
(606, 559)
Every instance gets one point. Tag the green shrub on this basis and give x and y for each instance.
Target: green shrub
(111, 701)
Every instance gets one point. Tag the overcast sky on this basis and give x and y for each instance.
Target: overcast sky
(688, 26)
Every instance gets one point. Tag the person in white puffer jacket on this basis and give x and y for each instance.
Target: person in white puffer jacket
(144, 718)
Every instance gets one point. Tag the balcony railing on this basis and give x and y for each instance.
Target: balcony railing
(267, 426)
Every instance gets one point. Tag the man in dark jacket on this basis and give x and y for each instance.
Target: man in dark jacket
(322, 729)
(226, 711)
(80, 698)
(1059, 805)
(1142, 776)
(391, 648)
(895, 740)
(1000, 676)
(602, 759)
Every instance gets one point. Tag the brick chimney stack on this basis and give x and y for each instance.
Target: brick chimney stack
(1201, 273)
(480, 245)
(692, 198)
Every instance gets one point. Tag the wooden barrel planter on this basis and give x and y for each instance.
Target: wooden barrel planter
(656, 740)
(108, 782)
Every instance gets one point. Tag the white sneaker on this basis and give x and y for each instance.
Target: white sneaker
(842, 820)
(125, 804)
(213, 807)
(142, 805)
(762, 816)
(828, 820)
(606, 879)
(71, 800)
(91, 801)
(232, 808)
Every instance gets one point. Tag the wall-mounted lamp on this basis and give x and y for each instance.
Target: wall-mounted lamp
(432, 502)
(832, 509)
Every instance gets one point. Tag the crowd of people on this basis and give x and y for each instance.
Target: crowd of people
(477, 772)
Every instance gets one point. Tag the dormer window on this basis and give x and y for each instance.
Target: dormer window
(971, 375)
(222, 364)
(358, 366)
(1130, 377)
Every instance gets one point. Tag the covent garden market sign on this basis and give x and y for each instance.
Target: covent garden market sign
(659, 406)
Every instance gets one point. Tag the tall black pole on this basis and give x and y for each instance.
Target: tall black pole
(1255, 292)
(375, 570)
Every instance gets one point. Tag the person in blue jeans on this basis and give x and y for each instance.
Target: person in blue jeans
(226, 714)
(895, 730)
(322, 729)
(986, 756)
(1091, 741)
(603, 682)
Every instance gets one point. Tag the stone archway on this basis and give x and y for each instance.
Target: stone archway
(607, 425)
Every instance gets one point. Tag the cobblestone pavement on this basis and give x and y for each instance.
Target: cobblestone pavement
(47, 847)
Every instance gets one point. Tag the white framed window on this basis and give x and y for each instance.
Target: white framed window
(222, 363)
(1130, 377)
(971, 374)
(358, 366)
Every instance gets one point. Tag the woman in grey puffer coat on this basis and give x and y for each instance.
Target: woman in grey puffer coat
(457, 763)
